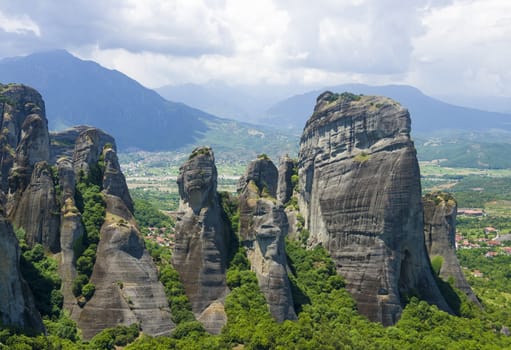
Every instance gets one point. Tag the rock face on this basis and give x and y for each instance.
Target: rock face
(202, 240)
(62, 143)
(40, 181)
(71, 231)
(37, 210)
(439, 234)
(360, 196)
(285, 184)
(21, 109)
(17, 307)
(26, 175)
(263, 227)
(125, 277)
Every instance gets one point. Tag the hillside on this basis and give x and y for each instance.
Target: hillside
(83, 92)
(428, 114)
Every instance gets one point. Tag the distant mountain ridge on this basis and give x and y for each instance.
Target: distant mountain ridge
(83, 92)
(428, 114)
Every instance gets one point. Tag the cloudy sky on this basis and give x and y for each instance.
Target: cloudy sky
(441, 46)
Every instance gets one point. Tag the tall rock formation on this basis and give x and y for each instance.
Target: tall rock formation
(287, 167)
(439, 234)
(40, 185)
(203, 237)
(125, 277)
(21, 108)
(263, 228)
(26, 175)
(17, 308)
(360, 195)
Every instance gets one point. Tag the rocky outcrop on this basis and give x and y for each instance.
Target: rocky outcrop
(71, 233)
(125, 277)
(62, 143)
(37, 209)
(285, 186)
(31, 201)
(88, 149)
(41, 200)
(439, 234)
(21, 109)
(263, 228)
(202, 240)
(24, 125)
(17, 308)
(114, 182)
(360, 195)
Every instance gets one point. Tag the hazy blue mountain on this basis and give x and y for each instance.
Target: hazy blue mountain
(83, 92)
(498, 104)
(238, 102)
(428, 114)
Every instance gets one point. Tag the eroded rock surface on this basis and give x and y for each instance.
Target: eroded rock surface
(202, 240)
(125, 277)
(360, 195)
(285, 183)
(263, 228)
(17, 308)
(439, 234)
(31, 200)
(41, 200)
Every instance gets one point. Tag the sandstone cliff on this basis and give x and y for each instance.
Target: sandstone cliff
(127, 289)
(26, 175)
(20, 109)
(263, 228)
(40, 181)
(17, 308)
(202, 240)
(360, 196)
(440, 233)
(287, 167)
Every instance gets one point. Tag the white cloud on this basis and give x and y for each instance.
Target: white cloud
(466, 49)
(19, 25)
(440, 45)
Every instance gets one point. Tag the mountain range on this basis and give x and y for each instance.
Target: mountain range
(84, 92)
(428, 114)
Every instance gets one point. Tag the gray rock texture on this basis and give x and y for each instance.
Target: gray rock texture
(88, 148)
(62, 143)
(24, 133)
(360, 195)
(285, 185)
(202, 240)
(440, 233)
(263, 228)
(71, 233)
(21, 110)
(36, 209)
(125, 277)
(31, 200)
(17, 307)
(114, 182)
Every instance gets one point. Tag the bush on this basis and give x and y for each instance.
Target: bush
(78, 284)
(436, 263)
(88, 290)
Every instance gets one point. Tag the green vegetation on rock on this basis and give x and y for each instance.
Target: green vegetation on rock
(90, 202)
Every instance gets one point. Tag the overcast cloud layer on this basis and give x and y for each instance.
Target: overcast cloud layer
(441, 46)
